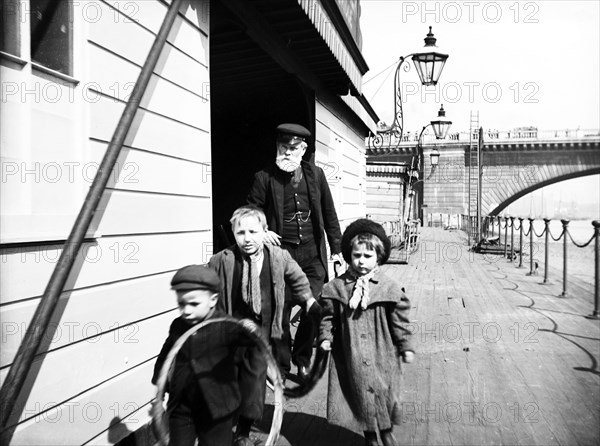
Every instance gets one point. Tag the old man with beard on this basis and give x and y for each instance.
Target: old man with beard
(300, 211)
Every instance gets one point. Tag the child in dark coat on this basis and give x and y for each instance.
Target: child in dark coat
(213, 369)
(365, 317)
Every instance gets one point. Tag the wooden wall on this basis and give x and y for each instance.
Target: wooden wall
(340, 152)
(385, 200)
(90, 381)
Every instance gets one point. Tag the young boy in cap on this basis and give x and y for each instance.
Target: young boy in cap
(213, 369)
(300, 212)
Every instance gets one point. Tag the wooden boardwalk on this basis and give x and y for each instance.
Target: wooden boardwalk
(501, 360)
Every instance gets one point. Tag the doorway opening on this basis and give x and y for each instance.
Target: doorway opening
(250, 96)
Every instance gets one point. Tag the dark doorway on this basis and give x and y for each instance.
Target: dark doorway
(250, 95)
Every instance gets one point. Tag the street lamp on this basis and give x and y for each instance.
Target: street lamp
(429, 64)
(440, 126)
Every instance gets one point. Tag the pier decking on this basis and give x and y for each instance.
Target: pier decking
(501, 360)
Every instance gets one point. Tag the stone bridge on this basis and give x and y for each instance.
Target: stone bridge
(512, 164)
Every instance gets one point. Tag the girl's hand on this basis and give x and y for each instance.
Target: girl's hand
(408, 357)
(326, 345)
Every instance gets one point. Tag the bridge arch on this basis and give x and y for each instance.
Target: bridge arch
(507, 202)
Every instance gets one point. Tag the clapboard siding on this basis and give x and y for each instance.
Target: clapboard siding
(82, 418)
(163, 98)
(115, 76)
(140, 27)
(92, 362)
(384, 199)
(83, 312)
(152, 132)
(96, 263)
(341, 148)
(143, 171)
(139, 419)
(137, 213)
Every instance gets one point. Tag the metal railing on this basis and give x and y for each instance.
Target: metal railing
(501, 233)
(520, 134)
(404, 238)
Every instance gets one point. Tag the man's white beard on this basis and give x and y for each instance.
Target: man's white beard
(288, 165)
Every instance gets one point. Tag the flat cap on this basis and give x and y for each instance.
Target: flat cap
(196, 277)
(293, 130)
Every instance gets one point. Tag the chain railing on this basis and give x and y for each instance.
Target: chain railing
(502, 244)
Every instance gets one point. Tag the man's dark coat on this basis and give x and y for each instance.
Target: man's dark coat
(267, 194)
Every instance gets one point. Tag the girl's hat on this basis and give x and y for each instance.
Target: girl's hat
(360, 226)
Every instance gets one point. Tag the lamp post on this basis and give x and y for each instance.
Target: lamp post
(440, 126)
(429, 64)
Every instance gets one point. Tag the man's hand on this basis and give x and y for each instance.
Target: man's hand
(326, 346)
(337, 258)
(339, 266)
(272, 238)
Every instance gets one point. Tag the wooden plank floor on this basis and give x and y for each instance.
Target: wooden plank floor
(501, 359)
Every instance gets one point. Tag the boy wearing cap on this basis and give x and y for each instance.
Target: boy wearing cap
(300, 212)
(216, 369)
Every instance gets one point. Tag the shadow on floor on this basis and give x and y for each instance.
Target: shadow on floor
(301, 429)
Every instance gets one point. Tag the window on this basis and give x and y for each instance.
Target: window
(51, 34)
(9, 29)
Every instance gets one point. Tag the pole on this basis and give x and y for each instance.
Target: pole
(596, 313)
(520, 242)
(505, 237)
(512, 238)
(499, 229)
(530, 246)
(547, 249)
(479, 182)
(565, 224)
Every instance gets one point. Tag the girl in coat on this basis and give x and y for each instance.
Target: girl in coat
(365, 317)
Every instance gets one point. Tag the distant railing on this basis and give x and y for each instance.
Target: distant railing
(491, 135)
(496, 239)
(403, 237)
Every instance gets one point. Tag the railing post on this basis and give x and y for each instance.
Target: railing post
(546, 249)
(596, 313)
(565, 224)
(512, 238)
(492, 220)
(499, 229)
(505, 237)
(530, 246)
(520, 242)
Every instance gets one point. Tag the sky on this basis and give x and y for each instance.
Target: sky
(515, 63)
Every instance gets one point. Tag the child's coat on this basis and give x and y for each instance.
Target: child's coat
(365, 367)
